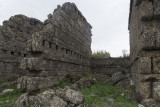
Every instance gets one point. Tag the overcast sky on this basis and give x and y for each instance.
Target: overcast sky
(109, 19)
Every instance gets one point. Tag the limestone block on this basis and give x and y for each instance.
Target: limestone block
(144, 65)
(37, 43)
(146, 10)
(143, 88)
(70, 95)
(35, 83)
(37, 64)
(147, 40)
(156, 9)
(156, 90)
(156, 65)
(137, 2)
(117, 77)
(147, 77)
(45, 99)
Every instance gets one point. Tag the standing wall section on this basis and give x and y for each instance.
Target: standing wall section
(109, 66)
(144, 27)
(13, 38)
(60, 48)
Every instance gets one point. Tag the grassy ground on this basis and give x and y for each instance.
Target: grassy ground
(99, 93)
(8, 100)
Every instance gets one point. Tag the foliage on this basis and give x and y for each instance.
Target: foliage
(101, 91)
(101, 54)
(124, 53)
(87, 74)
(3, 81)
(63, 84)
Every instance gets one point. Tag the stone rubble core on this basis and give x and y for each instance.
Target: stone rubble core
(144, 27)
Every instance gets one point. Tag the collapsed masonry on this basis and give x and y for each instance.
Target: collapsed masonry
(144, 27)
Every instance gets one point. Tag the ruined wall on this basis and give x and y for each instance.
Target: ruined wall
(13, 36)
(144, 27)
(58, 46)
(109, 66)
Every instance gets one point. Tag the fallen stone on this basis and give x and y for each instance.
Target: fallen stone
(35, 83)
(149, 103)
(6, 92)
(71, 96)
(110, 101)
(140, 105)
(45, 99)
(117, 77)
(124, 84)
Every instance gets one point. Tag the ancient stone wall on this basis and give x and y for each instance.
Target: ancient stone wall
(13, 38)
(144, 27)
(110, 66)
(58, 46)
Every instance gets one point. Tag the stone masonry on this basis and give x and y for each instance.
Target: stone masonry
(110, 66)
(40, 52)
(144, 27)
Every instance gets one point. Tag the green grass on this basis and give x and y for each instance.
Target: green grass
(88, 74)
(8, 100)
(3, 81)
(100, 92)
(63, 84)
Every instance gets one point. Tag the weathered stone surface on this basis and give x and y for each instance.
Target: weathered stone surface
(149, 103)
(45, 99)
(156, 65)
(109, 66)
(6, 92)
(124, 84)
(61, 98)
(35, 83)
(70, 95)
(144, 47)
(156, 91)
(84, 83)
(144, 65)
(117, 77)
(146, 10)
(157, 9)
(144, 89)
(60, 44)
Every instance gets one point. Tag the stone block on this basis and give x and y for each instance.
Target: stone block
(147, 77)
(144, 65)
(35, 83)
(156, 65)
(137, 2)
(156, 9)
(147, 40)
(146, 10)
(156, 90)
(36, 64)
(144, 89)
(37, 43)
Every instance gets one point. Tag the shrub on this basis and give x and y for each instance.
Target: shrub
(101, 54)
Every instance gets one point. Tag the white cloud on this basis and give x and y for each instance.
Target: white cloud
(109, 18)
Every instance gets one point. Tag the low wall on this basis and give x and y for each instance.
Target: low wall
(109, 66)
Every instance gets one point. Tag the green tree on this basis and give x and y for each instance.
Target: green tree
(101, 54)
